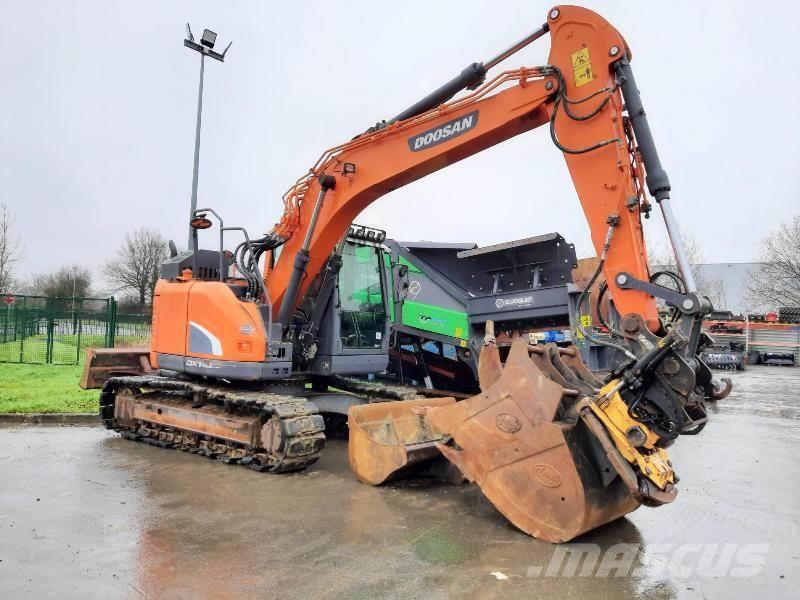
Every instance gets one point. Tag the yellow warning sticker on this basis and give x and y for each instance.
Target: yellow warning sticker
(582, 67)
(463, 343)
(586, 322)
(580, 59)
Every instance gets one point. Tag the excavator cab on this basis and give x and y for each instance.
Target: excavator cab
(362, 302)
(353, 332)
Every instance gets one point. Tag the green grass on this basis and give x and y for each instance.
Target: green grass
(34, 348)
(44, 389)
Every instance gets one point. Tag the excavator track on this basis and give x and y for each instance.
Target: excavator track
(262, 430)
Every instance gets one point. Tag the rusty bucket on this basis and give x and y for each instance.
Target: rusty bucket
(388, 437)
(104, 363)
(540, 467)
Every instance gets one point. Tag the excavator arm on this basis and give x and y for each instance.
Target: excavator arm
(578, 95)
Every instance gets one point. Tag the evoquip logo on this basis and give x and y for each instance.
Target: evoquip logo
(442, 133)
(518, 301)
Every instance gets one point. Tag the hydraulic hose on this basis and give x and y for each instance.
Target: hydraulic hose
(581, 299)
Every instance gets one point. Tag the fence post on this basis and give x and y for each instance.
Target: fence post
(106, 320)
(112, 329)
(22, 337)
(51, 324)
(107, 341)
(79, 321)
(5, 325)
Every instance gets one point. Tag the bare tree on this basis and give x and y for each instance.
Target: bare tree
(778, 281)
(10, 249)
(135, 268)
(662, 258)
(70, 281)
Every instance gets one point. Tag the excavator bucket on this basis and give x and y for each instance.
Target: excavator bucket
(104, 363)
(388, 437)
(521, 440)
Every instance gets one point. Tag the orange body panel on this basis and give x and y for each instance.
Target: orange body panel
(170, 302)
(235, 327)
(520, 100)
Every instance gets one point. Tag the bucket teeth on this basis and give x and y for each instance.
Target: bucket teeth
(535, 397)
(490, 367)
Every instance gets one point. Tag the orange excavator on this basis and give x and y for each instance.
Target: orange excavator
(251, 346)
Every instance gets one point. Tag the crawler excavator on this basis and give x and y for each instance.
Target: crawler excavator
(244, 356)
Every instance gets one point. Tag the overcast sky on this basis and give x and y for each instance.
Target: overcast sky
(99, 99)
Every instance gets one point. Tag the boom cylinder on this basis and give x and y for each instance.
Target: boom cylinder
(327, 182)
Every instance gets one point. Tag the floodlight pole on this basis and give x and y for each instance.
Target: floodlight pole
(205, 49)
(196, 169)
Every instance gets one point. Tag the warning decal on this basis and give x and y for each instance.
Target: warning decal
(582, 67)
(586, 322)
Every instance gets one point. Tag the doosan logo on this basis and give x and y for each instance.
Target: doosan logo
(518, 301)
(442, 133)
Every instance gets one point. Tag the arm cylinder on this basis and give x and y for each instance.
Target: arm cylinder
(469, 77)
(528, 39)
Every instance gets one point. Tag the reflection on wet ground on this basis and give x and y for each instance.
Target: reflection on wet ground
(83, 512)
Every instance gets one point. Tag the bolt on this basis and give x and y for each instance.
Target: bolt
(671, 366)
(622, 279)
(554, 14)
(630, 325)
(688, 304)
(548, 85)
(614, 51)
(636, 437)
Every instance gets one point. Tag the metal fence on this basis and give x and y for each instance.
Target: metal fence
(38, 329)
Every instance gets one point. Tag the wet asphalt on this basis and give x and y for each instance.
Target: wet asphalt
(85, 513)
